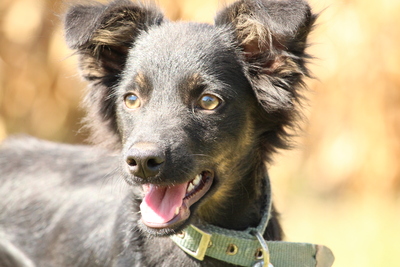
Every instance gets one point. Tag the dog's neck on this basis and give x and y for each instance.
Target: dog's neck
(243, 206)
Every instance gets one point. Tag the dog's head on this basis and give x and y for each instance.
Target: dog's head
(194, 108)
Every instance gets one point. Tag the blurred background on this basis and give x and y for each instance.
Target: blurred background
(340, 187)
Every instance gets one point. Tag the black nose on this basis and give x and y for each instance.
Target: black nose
(145, 160)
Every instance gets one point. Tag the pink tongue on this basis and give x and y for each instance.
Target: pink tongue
(160, 203)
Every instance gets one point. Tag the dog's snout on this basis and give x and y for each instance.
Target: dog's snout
(145, 160)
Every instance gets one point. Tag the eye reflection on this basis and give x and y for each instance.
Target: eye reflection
(132, 101)
(209, 102)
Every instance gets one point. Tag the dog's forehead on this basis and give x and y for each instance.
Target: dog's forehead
(174, 51)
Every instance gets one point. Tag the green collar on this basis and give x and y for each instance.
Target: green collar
(243, 248)
(248, 247)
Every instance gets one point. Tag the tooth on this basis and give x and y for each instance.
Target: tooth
(190, 187)
(177, 210)
(197, 180)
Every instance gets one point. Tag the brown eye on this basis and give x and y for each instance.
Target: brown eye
(209, 102)
(132, 101)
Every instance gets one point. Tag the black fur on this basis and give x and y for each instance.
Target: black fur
(65, 205)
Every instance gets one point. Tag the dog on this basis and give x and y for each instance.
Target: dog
(184, 117)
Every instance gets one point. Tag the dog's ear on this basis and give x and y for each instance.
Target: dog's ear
(102, 34)
(272, 36)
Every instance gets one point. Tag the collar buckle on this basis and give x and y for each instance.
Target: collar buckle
(204, 244)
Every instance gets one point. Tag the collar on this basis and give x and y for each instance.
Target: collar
(248, 247)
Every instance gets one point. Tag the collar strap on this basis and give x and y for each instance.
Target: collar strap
(250, 249)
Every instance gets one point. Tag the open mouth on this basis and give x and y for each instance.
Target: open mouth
(166, 206)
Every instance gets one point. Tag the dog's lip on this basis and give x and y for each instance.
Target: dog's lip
(192, 196)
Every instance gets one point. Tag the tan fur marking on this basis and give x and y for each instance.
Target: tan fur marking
(226, 190)
(141, 80)
(194, 81)
(253, 33)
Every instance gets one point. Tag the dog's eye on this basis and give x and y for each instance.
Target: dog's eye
(132, 101)
(209, 102)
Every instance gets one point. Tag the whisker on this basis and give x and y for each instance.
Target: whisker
(202, 155)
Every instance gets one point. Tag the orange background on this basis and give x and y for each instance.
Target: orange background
(340, 187)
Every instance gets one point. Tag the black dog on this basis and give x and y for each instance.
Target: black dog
(187, 115)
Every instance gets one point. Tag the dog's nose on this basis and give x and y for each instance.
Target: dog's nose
(145, 160)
